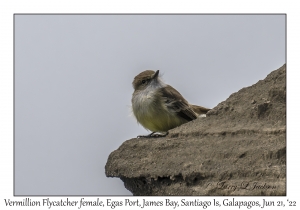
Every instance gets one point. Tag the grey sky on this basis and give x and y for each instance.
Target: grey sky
(73, 76)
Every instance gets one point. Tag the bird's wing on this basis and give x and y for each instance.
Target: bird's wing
(175, 102)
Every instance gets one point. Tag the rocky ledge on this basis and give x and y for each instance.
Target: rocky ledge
(238, 149)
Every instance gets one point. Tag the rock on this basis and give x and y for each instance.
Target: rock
(238, 149)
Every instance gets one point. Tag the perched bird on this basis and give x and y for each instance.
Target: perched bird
(159, 107)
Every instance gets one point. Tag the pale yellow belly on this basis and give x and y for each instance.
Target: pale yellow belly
(159, 120)
(153, 115)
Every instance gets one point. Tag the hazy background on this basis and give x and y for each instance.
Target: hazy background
(73, 76)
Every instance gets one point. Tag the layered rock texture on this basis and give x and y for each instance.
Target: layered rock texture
(238, 149)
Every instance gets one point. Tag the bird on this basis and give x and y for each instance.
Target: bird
(159, 107)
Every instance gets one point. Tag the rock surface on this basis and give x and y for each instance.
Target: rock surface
(238, 149)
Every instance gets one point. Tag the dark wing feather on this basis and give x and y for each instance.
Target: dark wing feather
(176, 103)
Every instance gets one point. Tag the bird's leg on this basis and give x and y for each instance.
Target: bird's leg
(145, 136)
(154, 135)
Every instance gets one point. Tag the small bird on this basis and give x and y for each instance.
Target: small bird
(159, 107)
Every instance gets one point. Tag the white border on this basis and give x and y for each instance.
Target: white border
(8, 8)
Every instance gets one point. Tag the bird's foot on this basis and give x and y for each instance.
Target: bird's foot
(154, 135)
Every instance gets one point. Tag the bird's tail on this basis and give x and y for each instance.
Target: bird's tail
(199, 109)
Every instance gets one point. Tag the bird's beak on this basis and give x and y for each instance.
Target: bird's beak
(155, 75)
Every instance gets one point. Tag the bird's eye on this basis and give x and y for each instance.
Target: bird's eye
(143, 81)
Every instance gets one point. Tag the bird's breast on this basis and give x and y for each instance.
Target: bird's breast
(142, 102)
(152, 114)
